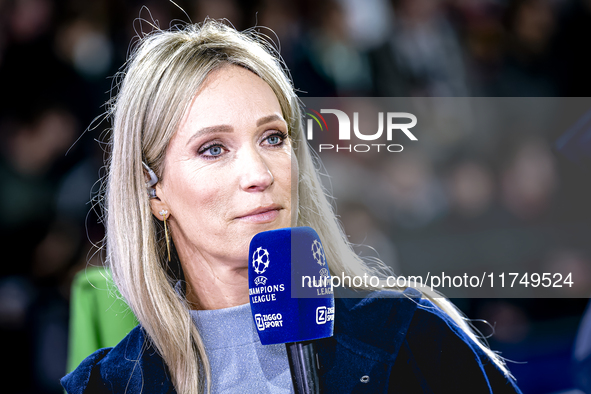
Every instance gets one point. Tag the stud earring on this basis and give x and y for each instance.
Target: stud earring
(164, 213)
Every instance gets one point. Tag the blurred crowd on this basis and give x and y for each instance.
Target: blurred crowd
(57, 60)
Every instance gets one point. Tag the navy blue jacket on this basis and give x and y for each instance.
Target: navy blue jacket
(384, 343)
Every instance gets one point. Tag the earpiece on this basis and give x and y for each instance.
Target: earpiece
(153, 180)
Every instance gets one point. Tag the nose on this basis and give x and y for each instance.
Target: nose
(255, 174)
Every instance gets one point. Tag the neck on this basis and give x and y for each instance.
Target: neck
(213, 284)
(219, 288)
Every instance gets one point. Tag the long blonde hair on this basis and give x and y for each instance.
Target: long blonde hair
(162, 76)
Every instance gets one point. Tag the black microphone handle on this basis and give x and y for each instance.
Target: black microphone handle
(302, 364)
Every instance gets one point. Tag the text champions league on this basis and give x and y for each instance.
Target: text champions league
(393, 123)
(265, 293)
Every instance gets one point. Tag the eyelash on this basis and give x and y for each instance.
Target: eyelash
(282, 136)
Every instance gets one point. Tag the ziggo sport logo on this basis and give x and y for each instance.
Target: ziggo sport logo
(345, 130)
(268, 321)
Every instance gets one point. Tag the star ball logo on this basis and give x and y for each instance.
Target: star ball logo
(260, 260)
(318, 253)
(394, 122)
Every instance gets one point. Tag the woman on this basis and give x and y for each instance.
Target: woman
(208, 116)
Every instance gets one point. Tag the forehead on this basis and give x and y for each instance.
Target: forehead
(231, 95)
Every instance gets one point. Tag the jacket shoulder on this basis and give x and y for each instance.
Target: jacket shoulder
(132, 366)
(404, 339)
(433, 329)
(77, 381)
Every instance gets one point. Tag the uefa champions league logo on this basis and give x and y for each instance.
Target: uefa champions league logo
(324, 273)
(260, 280)
(260, 260)
(318, 253)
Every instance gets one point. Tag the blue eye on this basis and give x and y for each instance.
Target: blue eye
(215, 150)
(212, 151)
(276, 139)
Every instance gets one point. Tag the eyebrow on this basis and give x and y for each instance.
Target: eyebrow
(269, 119)
(224, 128)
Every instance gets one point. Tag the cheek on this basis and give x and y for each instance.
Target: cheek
(283, 169)
(209, 202)
(286, 180)
(198, 200)
(294, 175)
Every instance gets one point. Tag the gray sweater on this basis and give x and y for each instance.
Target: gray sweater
(239, 362)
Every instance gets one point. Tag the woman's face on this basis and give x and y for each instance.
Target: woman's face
(227, 170)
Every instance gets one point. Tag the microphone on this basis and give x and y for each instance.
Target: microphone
(291, 297)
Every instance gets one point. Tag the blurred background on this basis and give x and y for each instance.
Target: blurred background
(57, 59)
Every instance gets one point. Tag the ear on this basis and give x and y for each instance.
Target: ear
(159, 203)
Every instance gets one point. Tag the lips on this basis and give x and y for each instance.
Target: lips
(262, 214)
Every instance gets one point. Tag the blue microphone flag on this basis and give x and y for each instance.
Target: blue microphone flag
(289, 286)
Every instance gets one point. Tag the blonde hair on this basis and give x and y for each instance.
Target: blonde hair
(162, 76)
